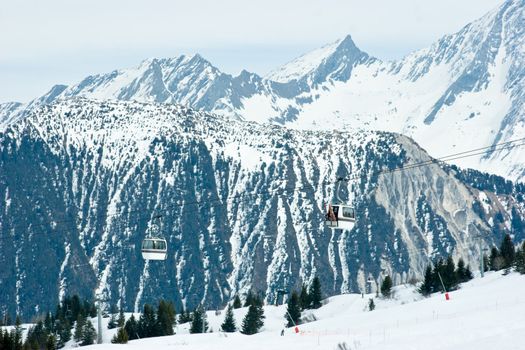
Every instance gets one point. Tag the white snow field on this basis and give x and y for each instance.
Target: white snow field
(486, 313)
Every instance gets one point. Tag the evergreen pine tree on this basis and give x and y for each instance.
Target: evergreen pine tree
(148, 325)
(237, 302)
(79, 327)
(18, 340)
(121, 337)
(31, 340)
(7, 339)
(315, 293)
(132, 328)
(63, 331)
(449, 276)
(36, 337)
(371, 304)
(253, 321)
(75, 307)
(426, 288)
(495, 260)
(229, 321)
(10, 339)
(468, 274)
(520, 259)
(166, 317)
(121, 318)
(463, 274)
(88, 334)
(30, 343)
(51, 342)
(112, 323)
(86, 308)
(507, 251)
(41, 333)
(258, 300)
(293, 310)
(184, 316)
(461, 271)
(249, 299)
(386, 287)
(304, 298)
(49, 323)
(198, 321)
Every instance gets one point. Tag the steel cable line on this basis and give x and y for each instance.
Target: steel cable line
(435, 161)
(455, 156)
(460, 155)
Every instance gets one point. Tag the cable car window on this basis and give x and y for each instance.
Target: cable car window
(348, 212)
(161, 245)
(147, 244)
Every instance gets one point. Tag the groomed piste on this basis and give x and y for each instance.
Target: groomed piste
(485, 313)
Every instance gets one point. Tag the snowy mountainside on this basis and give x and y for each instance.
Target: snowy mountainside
(463, 92)
(242, 206)
(9, 112)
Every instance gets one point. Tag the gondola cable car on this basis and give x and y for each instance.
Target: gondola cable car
(340, 215)
(154, 247)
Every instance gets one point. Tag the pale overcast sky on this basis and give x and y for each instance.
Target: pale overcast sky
(43, 43)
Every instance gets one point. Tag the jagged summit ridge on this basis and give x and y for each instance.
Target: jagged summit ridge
(468, 88)
(154, 80)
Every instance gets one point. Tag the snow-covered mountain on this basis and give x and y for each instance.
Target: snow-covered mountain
(463, 92)
(242, 206)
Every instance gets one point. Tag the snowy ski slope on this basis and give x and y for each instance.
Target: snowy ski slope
(484, 314)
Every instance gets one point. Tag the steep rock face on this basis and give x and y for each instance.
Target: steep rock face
(242, 206)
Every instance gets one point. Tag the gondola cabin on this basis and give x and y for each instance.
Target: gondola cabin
(154, 249)
(340, 216)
